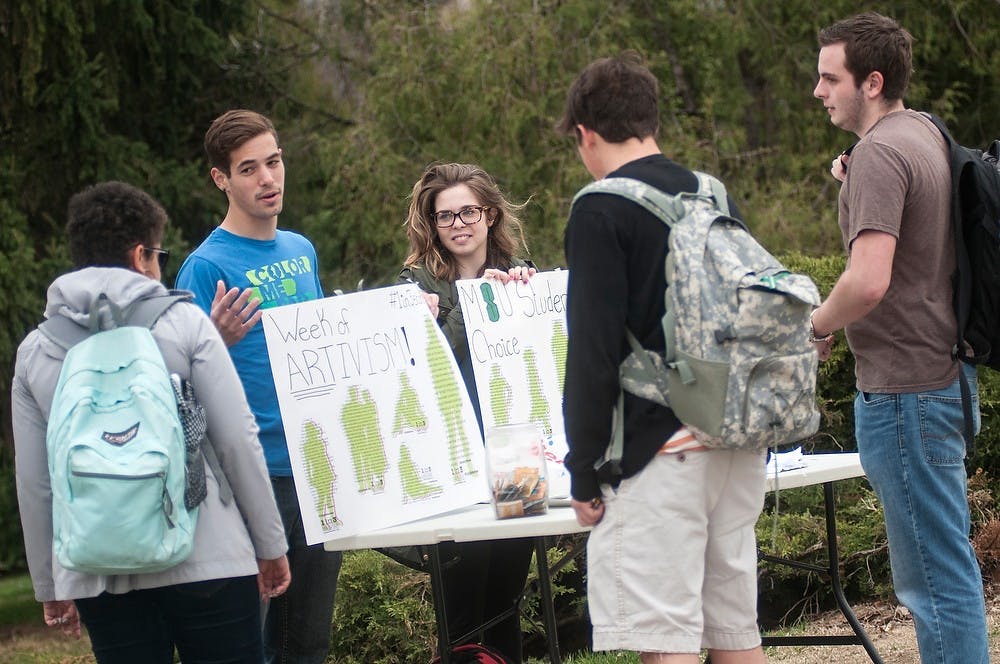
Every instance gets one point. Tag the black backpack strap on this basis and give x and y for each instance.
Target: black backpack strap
(962, 302)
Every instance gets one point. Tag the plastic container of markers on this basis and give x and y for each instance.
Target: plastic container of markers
(515, 466)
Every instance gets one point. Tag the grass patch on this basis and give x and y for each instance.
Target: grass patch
(17, 601)
(24, 639)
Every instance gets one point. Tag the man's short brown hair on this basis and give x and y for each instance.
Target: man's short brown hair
(231, 130)
(873, 42)
(618, 97)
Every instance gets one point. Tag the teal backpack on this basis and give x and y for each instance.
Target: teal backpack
(116, 445)
(738, 370)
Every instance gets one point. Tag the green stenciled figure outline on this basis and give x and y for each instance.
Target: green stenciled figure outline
(500, 396)
(559, 342)
(539, 404)
(320, 474)
(449, 401)
(414, 486)
(360, 420)
(410, 414)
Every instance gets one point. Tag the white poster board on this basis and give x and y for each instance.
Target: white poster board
(379, 425)
(517, 342)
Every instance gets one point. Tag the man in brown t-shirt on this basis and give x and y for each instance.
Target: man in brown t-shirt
(895, 301)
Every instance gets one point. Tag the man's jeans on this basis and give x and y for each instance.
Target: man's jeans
(912, 451)
(298, 623)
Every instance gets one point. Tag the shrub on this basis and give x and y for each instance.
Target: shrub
(384, 612)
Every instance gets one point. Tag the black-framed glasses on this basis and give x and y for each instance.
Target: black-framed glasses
(162, 256)
(469, 215)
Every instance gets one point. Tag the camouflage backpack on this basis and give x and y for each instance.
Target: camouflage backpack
(738, 369)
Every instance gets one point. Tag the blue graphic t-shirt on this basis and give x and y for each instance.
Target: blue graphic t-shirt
(281, 271)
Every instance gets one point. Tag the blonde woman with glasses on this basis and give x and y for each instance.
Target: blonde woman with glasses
(461, 226)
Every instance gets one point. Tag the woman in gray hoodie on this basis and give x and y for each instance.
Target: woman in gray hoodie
(208, 605)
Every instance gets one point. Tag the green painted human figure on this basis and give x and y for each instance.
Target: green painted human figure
(449, 396)
(415, 486)
(559, 341)
(539, 413)
(500, 396)
(360, 420)
(410, 414)
(320, 474)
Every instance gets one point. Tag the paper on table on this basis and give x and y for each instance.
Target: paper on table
(782, 461)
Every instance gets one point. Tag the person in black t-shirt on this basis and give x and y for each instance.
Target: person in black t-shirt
(672, 557)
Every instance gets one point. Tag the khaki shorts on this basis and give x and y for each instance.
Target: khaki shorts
(672, 566)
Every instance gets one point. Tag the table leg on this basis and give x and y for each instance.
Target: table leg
(548, 610)
(834, 562)
(833, 569)
(437, 591)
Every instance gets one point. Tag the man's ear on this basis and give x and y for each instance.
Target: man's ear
(220, 179)
(586, 136)
(873, 84)
(135, 258)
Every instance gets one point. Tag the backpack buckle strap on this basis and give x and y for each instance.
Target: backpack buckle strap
(684, 369)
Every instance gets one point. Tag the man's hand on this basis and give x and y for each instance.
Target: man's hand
(823, 349)
(588, 513)
(838, 167)
(273, 577)
(62, 614)
(234, 313)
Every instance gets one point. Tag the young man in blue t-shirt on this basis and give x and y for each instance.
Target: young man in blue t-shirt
(246, 265)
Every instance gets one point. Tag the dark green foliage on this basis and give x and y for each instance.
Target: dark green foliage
(384, 612)
(793, 526)
(11, 541)
(486, 84)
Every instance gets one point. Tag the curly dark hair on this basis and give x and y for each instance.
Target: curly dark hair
(107, 220)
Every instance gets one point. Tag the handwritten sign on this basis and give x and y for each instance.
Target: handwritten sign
(517, 341)
(379, 425)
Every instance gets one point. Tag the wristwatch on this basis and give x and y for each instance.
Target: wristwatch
(812, 332)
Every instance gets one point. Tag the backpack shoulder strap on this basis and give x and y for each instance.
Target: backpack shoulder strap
(710, 186)
(66, 333)
(665, 207)
(963, 277)
(63, 332)
(145, 312)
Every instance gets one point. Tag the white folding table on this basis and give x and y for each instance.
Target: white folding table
(478, 522)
